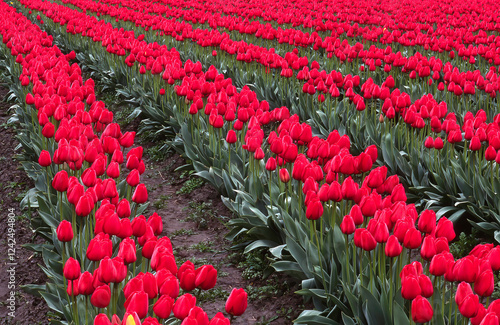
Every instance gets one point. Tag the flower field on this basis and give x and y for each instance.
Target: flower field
(353, 141)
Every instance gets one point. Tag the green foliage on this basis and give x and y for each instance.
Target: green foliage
(190, 185)
(464, 244)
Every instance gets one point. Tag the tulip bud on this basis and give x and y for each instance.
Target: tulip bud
(183, 305)
(219, 319)
(101, 296)
(140, 194)
(60, 181)
(163, 307)
(284, 175)
(71, 269)
(137, 302)
(236, 304)
(44, 159)
(64, 231)
(421, 310)
(101, 319)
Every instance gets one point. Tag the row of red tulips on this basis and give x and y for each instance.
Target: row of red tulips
(90, 148)
(414, 114)
(433, 31)
(430, 69)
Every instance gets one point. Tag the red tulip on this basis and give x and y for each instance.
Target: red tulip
(231, 137)
(150, 285)
(137, 302)
(428, 249)
(347, 225)
(64, 231)
(72, 289)
(44, 159)
(169, 286)
(439, 263)
(469, 306)
(127, 251)
(412, 238)
(113, 170)
(139, 226)
(427, 221)
(271, 164)
(490, 319)
(101, 297)
(425, 285)
(284, 175)
(410, 287)
(206, 277)
(429, 142)
(314, 210)
(466, 269)
(85, 286)
(133, 178)
(71, 269)
(484, 284)
(183, 305)
(156, 223)
(236, 304)
(445, 229)
(163, 307)
(187, 276)
(393, 248)
(60, 181)
(101, 319)
(421, 310)
(219, 319)
(490, 153)
(140, 194)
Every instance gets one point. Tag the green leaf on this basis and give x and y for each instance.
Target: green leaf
(371, 308)
(259, 243)
(313, 317)
(400, 317)
(347, 320)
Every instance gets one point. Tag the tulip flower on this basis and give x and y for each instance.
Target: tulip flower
(64, 231)
(236, 304)
(163, 307)
(85, 286)
(127, 251)
(206, 277)
(421, 310)
(137, 302)
(101, 319)
(44, 159)
(219, 319)
(140, 194)
(71, 269)
(183, 305)
(393, 248)
(484, 284)
(101, 296)
(60, 181)
(284, 175)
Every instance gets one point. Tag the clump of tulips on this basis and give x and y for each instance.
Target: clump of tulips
(114, 260)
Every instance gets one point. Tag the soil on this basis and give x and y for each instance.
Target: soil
(13, 184)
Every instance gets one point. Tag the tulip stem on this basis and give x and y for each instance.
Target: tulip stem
(391, 287)
(86, 308)
(450, 306)
(75, 308)
(60, 206)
